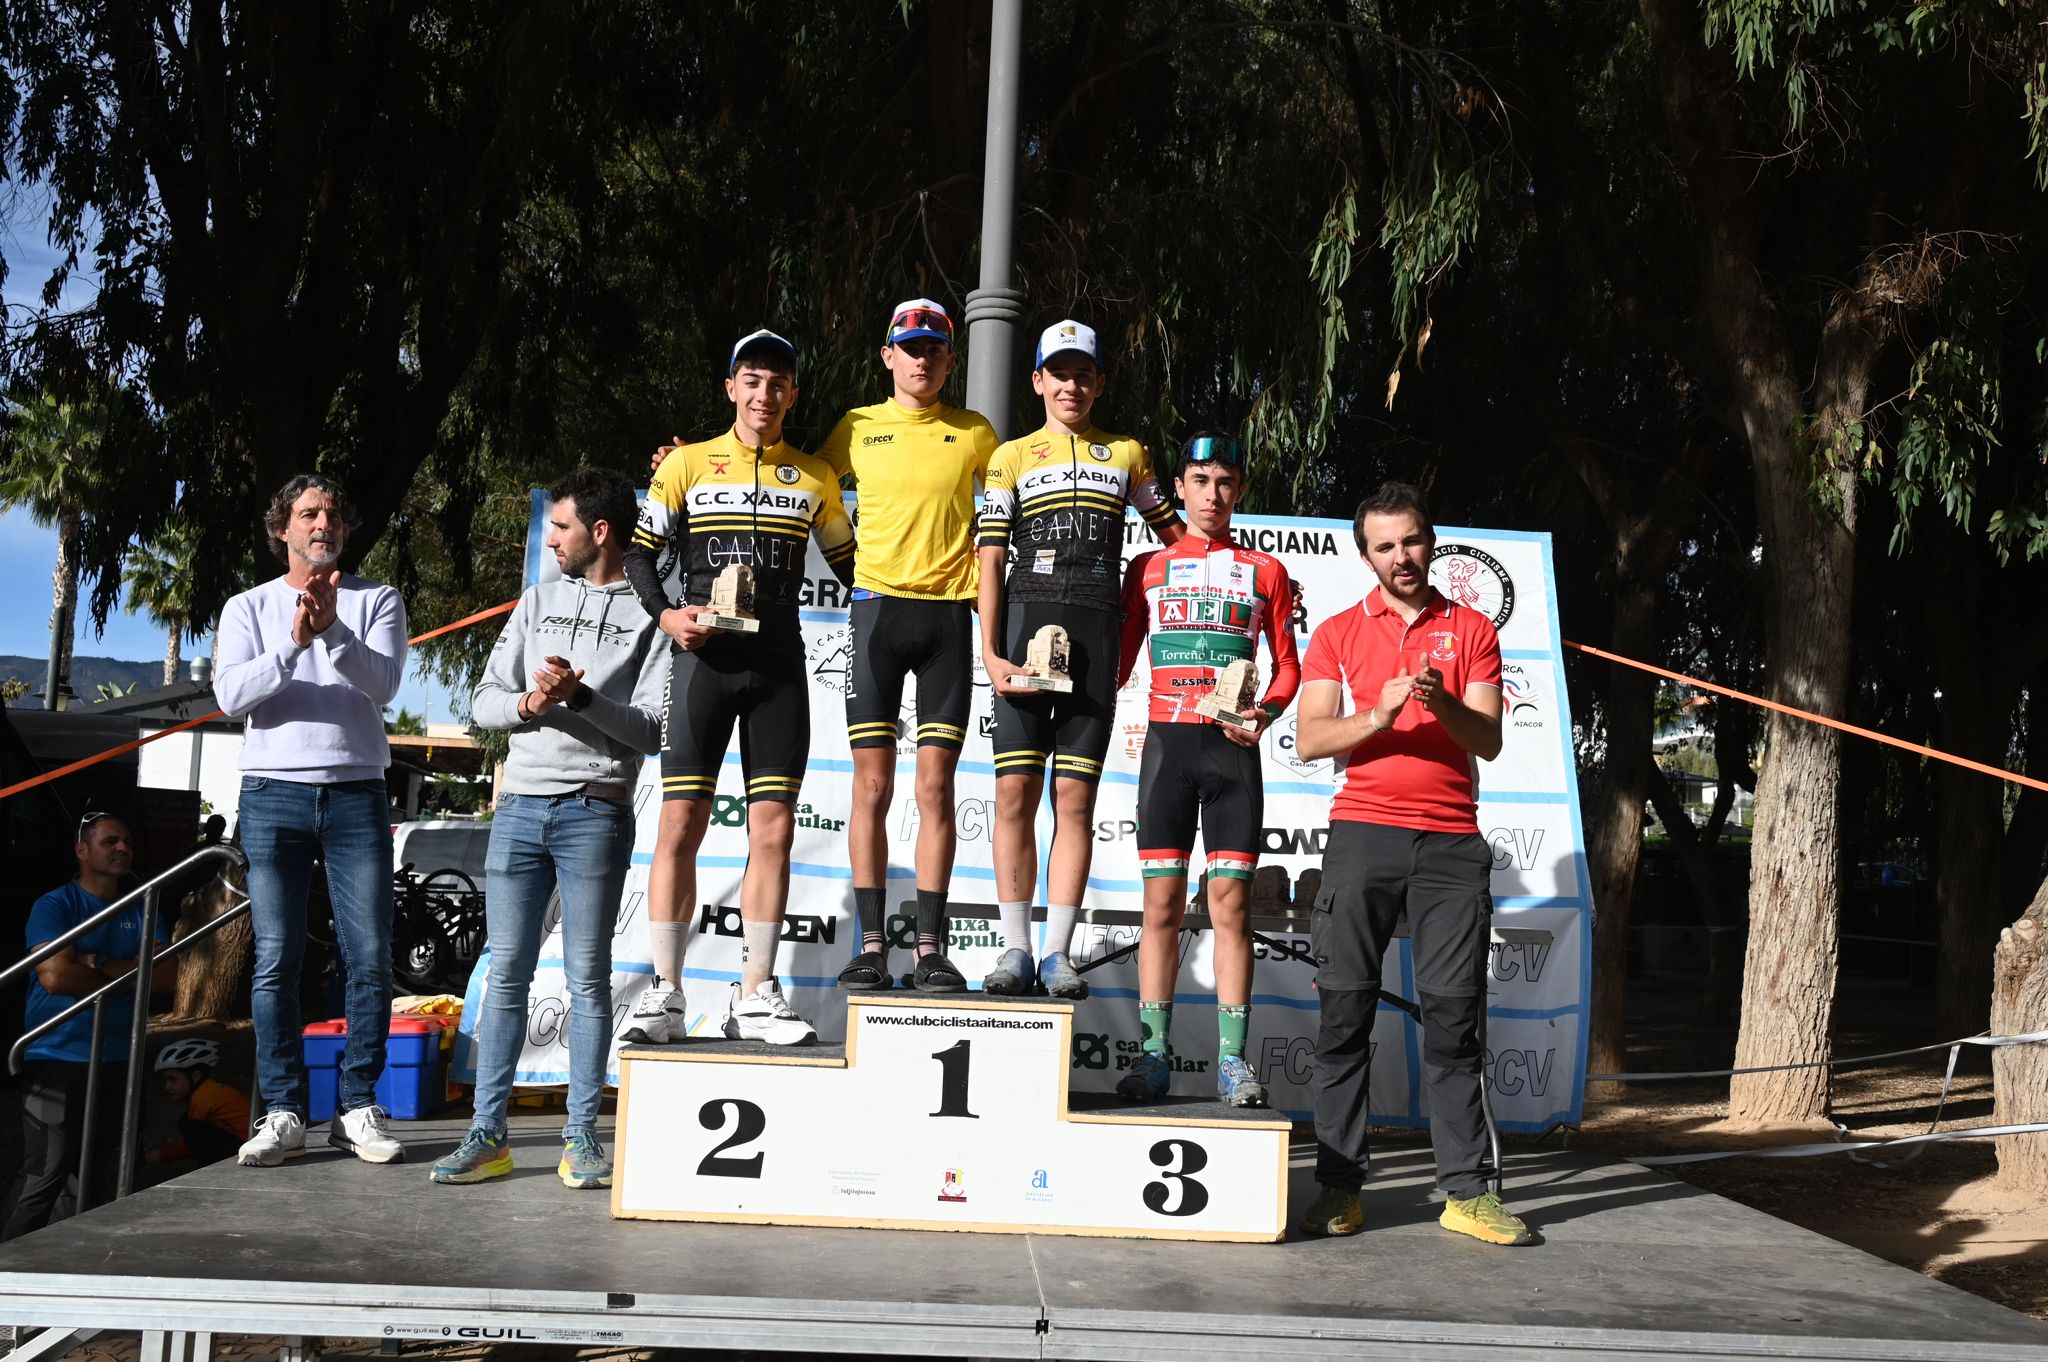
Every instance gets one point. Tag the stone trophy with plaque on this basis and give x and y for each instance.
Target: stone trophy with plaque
(1047, 662)
(1237, 689)
(732, 602)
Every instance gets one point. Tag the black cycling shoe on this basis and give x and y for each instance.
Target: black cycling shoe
(867, 972)
(936, 974)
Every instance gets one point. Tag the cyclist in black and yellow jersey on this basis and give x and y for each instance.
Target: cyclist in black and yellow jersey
(1054, 516)
(744, 499)
(916, 461)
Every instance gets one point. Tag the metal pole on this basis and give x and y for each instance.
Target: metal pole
(131, 1109)
(994, 309)
(92, 1104)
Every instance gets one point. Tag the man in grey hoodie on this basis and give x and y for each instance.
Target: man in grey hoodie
(578, 680)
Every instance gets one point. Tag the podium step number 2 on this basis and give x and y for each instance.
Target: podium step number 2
(945, 1115)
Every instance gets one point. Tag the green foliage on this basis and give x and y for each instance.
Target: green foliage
(406, 724)
(114, 690)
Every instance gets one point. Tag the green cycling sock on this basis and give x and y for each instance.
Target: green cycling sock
(1156, 1020)
(1231, 1024)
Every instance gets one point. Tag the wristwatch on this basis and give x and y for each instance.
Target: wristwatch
(580, 701)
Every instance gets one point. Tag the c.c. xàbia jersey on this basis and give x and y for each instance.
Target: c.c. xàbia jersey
(720, 503)
(916, 472)
(1205, 604)
(1057, 503)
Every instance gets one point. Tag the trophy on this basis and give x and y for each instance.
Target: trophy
(732, 601)
(1235, 690)
(1046, 661)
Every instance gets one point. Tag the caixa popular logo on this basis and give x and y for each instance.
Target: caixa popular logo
(1091, 1050)
(722, 919)
(1475, 579)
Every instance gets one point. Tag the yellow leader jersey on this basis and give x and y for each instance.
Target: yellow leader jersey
(916, 471)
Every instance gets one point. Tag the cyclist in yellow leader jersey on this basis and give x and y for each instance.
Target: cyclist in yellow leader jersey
(916, 461)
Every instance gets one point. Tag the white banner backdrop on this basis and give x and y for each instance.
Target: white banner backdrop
(1529, 811)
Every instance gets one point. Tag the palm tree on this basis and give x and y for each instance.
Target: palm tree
(51, 469)
(156, 580)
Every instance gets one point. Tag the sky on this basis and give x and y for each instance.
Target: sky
(28, 553)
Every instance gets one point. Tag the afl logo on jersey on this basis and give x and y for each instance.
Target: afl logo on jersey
(1474, 579)
(786, 474)
(1099, 453)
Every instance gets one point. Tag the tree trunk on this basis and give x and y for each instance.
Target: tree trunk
(1795, 888)
(64, 592)
(2019, 1004)
(210, 974)
(1615, 841)
(173, 661)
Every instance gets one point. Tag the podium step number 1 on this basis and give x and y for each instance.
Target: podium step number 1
(941, 1115)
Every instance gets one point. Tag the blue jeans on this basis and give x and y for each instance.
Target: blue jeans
(284, 824)
(541, 843)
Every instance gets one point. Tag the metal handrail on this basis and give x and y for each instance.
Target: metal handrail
(146, 961)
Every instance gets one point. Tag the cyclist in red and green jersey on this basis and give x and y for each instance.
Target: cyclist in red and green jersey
(1204, 603)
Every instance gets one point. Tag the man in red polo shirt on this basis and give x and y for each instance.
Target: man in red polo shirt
(1422, 677)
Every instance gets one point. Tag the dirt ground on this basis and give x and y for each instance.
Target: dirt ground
(1937, 1214)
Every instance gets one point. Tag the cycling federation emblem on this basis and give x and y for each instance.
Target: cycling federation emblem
(786, 474)
(1100, 453)
(830, 660)
(1474, 579)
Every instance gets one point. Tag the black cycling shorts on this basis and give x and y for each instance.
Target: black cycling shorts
(757, 683)
(1071, 727)
(1192, 770)
(897, 635)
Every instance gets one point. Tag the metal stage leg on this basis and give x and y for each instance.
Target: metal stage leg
(176, 1345)
(46, 1343)
(298, 1349)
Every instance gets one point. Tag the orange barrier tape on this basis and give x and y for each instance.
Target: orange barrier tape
(507, 607)
(1921, 748)
(83, 762)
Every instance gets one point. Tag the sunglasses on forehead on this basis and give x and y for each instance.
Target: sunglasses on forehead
(921, 319)
(1215, 449)
(85, 823)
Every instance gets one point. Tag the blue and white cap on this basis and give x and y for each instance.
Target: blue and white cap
(1061, 337)
(758, 342)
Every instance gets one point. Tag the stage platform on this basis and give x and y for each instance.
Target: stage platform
(1634, 1265)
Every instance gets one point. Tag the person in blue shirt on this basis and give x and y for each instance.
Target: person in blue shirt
(53, 1102)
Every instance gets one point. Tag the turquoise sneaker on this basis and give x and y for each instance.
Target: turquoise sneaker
(480, 1157)
(583, 1162)
(1148, 1079)
(1237, 1085)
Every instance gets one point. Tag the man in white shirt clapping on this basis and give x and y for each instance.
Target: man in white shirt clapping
(309, 660)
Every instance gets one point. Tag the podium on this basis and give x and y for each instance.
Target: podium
(939, 1113)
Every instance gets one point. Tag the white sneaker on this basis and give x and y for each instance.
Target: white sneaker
(366, 1133)
(766, 1015)
(280, 1135)
(659, 1016)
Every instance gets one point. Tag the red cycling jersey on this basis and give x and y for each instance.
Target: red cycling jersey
(1205, 603)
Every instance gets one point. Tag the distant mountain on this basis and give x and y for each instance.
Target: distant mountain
(87, 675)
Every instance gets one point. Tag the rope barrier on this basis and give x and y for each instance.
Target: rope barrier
(84, 762)
(1887, 739)
(1850, 1147)
(1981, 1038)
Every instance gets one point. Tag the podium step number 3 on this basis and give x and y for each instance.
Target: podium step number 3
(938, 1115)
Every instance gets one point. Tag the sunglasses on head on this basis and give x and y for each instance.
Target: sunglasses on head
(85, 823)
(921, 319)
(1215, 449)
